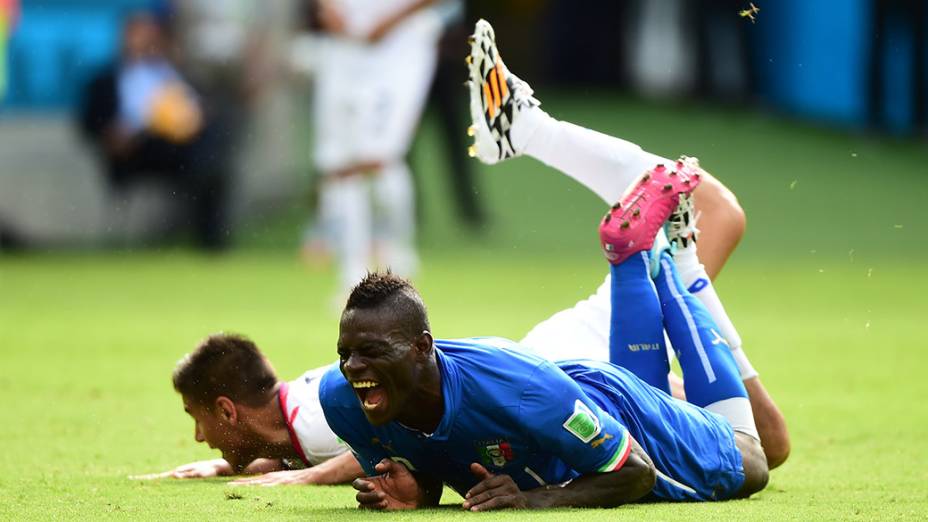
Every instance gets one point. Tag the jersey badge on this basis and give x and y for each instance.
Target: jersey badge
(582, 423)
(495, 453)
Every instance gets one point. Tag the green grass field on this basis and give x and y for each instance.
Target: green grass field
(827, 290)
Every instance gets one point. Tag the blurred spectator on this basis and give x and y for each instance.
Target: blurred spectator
(146, 121)
(723, 59)
(448, 100)
(594, 55)
(888, 17)
(9, 11)
(376, 61)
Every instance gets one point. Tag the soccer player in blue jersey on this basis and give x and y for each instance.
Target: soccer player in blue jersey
(507, 429)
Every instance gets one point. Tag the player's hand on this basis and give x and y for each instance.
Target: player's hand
(380, 30)
(493, 492)
(395, 488)
(331, 20)
(280, 478)
(201, 469)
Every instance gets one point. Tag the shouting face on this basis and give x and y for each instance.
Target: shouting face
(382, 361)
(219, 426)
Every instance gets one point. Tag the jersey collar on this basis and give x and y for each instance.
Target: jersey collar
(451, 394)
(282, 394)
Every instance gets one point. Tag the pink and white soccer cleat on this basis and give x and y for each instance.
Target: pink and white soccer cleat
(631, 224)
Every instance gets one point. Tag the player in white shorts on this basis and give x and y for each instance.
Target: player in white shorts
(508, 122)
(376, 62)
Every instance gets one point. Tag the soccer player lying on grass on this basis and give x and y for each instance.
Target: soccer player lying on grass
(259, 423)
(505, 428)
(508, 122)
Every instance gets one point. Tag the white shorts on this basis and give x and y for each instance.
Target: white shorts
(580, 332)
(369, 98)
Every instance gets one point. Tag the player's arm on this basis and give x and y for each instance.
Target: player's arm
(213, 468)
(389, 23)
(559, 416)
(632, 482)
(338, 470)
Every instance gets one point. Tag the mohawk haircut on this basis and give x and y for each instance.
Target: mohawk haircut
(392, 292)
(228, 365)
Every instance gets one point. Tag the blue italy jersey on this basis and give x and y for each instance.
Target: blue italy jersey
(543, 423)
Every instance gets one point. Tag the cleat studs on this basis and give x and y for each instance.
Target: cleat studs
(660, 166)
(617, 206)
(471, 130)
(686, 182)
(645, 178)
(625, 225)
(636, 212)
(469, 59)
(471, 40)
(472, 151)
(673, 173)
(667, 187)
(607, 219)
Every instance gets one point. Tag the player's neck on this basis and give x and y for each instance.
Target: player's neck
(270, 428)
(427, 406)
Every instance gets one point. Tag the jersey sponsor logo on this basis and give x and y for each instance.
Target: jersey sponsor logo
(644, 347)
(598, 442)
(698, 285)
(582, 423)
(495, 453)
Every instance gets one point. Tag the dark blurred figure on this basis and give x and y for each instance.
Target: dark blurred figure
(886, 15)
(447, 98)
(146, 121)
(585, 43)
(723, 61)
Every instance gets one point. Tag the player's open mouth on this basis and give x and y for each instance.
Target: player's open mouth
(371, 393)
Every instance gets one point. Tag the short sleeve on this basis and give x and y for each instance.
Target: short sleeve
(347, 421)
(562, 419)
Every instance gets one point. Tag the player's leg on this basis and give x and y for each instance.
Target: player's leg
(682, 233)
(636, 332)
(398, 93)
(344, 203)
(508, 122)
(394, 194)
(710, 374)
(627, 232)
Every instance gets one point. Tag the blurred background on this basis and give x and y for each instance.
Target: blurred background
(856, 68)
(167, 170)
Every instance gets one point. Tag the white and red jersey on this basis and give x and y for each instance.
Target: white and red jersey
(310, 435)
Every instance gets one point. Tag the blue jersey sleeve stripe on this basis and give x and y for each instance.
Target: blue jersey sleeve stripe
(620, 456)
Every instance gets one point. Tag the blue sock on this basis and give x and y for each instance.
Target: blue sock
(709, 370)
(636, 331)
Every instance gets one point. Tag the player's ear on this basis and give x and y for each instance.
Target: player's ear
(424, 343)
(226, 410)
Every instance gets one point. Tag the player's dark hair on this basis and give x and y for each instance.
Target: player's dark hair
(392, 293)
(226, 365)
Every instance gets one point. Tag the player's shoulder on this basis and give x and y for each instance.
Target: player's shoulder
(494, 364)
(334, 390)
(481, 350)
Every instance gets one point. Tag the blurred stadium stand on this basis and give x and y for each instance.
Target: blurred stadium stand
(50, 186)
(809, 59)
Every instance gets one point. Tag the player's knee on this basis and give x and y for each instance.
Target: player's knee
(715, 197)
(778, 450)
